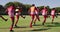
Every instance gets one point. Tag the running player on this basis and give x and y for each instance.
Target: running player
(32, 11)
(44, 13)
(53, 14)
(10, 10)
(18, 13)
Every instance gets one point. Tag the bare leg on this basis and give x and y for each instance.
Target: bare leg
(17, 18)
(22, 16)
(3, 18)
(11, 28)
(52, 18)
(35, 20)
(37, 17)
(44, 20)
(32, 21)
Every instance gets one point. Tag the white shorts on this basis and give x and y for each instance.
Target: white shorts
(36, 12)
(32, 13)
(43, 14)
(17, 13)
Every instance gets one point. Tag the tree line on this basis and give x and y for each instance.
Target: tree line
(25, 8)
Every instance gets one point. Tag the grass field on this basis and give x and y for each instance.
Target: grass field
(24, 25)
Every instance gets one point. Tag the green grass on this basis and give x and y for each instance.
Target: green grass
(24, 24)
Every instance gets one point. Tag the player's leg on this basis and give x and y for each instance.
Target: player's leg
(44, 19)
(37, 17)
(3, 18)
(12, 19)
(22, 16)
(17, 18)
(52, 18)
(56, 16)
(35, 20)
(32, 16)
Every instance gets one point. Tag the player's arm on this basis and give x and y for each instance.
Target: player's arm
(46, 11)
(41, 11)
(20, 10)
(29, 10)
(38, 9)
(6, 11)
(22, 16)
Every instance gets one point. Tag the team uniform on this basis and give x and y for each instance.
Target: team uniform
(44, 13)
(17, 12)
(10, 11)
(53, 15)
(33, 13)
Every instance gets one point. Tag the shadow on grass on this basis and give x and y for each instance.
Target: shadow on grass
(12, 31)
(21, 27)
(43, 29)
(14, 27)
(55, 24)
(37, 25)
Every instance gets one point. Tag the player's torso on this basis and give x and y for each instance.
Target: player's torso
(10, 9)
(52, 12)
(33, 10)
(18, 11)
(44, 12)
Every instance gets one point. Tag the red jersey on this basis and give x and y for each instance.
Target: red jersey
(10, 11)
(44, 12)
(53, 12)
(36, 11)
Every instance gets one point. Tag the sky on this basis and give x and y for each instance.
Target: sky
(51, 3)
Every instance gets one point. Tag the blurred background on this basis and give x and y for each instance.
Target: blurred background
(25, 4)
